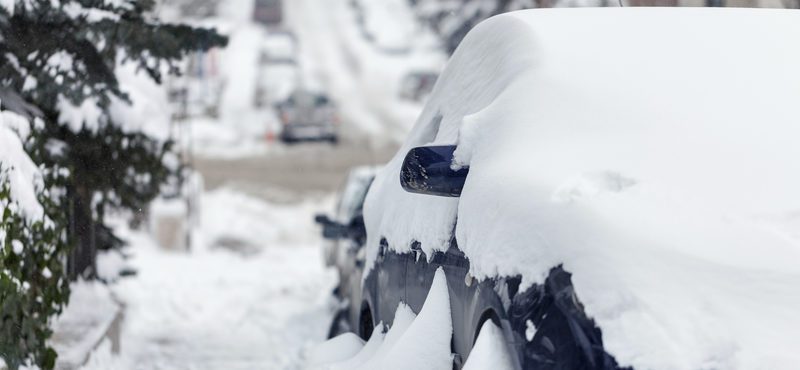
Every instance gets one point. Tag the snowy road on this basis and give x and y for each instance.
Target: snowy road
(335, 57)
(290, 173)
(363, 81)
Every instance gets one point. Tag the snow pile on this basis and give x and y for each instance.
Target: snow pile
(235, 220)
(21, 173)
(84, 322)
(418, 343)
(490, 351)
(663, 176)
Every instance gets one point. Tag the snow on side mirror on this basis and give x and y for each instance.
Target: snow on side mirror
(427, 170)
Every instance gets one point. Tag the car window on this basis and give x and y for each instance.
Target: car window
(352, 201)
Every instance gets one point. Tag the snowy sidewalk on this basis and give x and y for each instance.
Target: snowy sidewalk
(218, 309)
(91, 317)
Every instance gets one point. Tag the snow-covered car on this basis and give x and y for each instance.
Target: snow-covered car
(308, 116)
(610, 187)
(345, 236)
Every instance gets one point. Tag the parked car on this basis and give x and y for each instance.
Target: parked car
(308, 116)
(268, 12)
(606, 206)
(345, 235)
(416, 86)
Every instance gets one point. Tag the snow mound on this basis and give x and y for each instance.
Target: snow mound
(337, 349)
(231, 219)
(490, 351)
(659, 167)
(412, 343)
(84, 323)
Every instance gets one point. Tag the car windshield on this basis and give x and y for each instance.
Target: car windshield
(305, 99)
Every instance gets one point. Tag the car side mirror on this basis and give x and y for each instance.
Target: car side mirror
(334, 231)
(322, 219)
(428, 170)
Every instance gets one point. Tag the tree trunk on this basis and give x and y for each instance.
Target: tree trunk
(82, 259)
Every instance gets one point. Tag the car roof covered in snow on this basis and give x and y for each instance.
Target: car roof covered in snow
(651, 152)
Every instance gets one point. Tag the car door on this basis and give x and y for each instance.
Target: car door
(420, 270)
(384, 288)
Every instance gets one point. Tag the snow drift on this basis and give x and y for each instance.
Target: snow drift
(651, 152)
(413, 342)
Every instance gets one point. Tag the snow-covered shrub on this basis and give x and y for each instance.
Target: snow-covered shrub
(32, 250)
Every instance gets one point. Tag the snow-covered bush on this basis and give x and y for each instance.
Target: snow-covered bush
(86, 73)
(32, 251)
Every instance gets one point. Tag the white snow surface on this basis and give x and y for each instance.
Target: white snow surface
(659, 166)
(83, 323)
(216, 308)
(8, 5)
(147, 112)
(414, 342)
(490, 350)
(23, 175)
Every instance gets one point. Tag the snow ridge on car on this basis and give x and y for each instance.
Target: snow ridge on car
(644, 150)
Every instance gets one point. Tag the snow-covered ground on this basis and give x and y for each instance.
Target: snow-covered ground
(218, 307)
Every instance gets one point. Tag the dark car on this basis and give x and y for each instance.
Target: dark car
(345, 235)
(308, 116)
(566, 337)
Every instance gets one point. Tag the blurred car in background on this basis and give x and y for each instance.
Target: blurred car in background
(308, 116)
(268, 12)
(416, 86)
(345, 236)
(278, 72)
